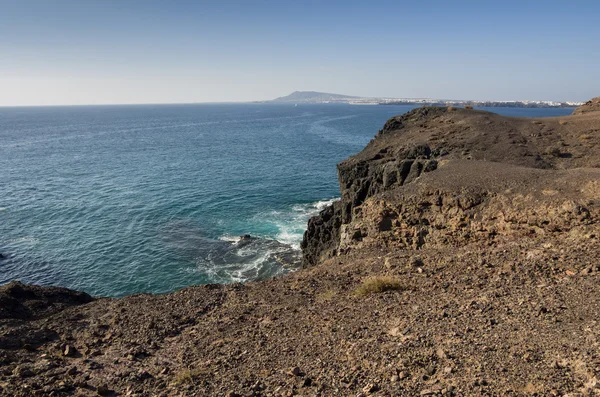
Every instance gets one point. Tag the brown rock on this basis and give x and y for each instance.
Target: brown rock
(103, 390)
(370, 388)
(22, 371)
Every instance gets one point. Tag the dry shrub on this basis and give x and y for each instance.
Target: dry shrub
(563, 122)
(378, 284)
(190, 376)
(469, 107)
(326, 296)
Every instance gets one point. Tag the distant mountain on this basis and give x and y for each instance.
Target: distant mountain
(314, 97)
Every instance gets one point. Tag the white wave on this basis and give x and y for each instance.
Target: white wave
(27, 239)
(229, 238)
(292, 224)
(3, 209)
(257, 258)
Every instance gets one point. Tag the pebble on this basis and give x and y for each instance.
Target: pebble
(22, 372)
(295, 371)
(69, 351)
(370, 388)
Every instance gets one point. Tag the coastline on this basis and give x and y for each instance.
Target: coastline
(477, 234)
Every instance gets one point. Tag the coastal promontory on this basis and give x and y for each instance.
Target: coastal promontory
(461, 260)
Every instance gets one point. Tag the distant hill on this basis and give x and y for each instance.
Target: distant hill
(314, 97)
(325, 97)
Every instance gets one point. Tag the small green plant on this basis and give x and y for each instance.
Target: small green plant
(378, 284)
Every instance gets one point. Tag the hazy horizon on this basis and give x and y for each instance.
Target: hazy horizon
(101, 53)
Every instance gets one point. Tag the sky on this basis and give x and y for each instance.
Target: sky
(124, 51)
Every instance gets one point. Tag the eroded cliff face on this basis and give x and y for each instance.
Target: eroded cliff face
(497, 167)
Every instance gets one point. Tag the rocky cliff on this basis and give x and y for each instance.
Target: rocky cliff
(387, 196)
(461, 260)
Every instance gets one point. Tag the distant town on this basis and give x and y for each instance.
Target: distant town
(314, 97)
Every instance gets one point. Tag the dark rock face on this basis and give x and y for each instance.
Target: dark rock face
(359, 181)
(322, 234)
(362, 179)
(25, 302)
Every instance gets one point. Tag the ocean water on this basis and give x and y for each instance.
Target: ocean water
(115, 200)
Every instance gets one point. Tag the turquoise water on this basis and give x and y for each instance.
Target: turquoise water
(115, 200)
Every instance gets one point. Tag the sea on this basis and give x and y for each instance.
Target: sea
(118, 200)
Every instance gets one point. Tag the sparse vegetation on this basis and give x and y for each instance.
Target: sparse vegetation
(189, 376)
(325, 296)
(469, 107)
(378, 284)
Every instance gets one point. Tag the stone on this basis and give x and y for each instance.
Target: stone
(22, 371)
(421, 150)
(295, 371)
(69, 351)
(370, 388)
(416, 261)
(102, 390)
(72, 371)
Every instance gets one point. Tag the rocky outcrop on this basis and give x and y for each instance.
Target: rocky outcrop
(414, 144)
(592, 105)
(21, 301)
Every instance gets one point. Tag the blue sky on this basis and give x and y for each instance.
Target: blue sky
(91, 52)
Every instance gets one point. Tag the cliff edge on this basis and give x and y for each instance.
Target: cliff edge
(461, 260)
(438, 176)
(592, 105)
